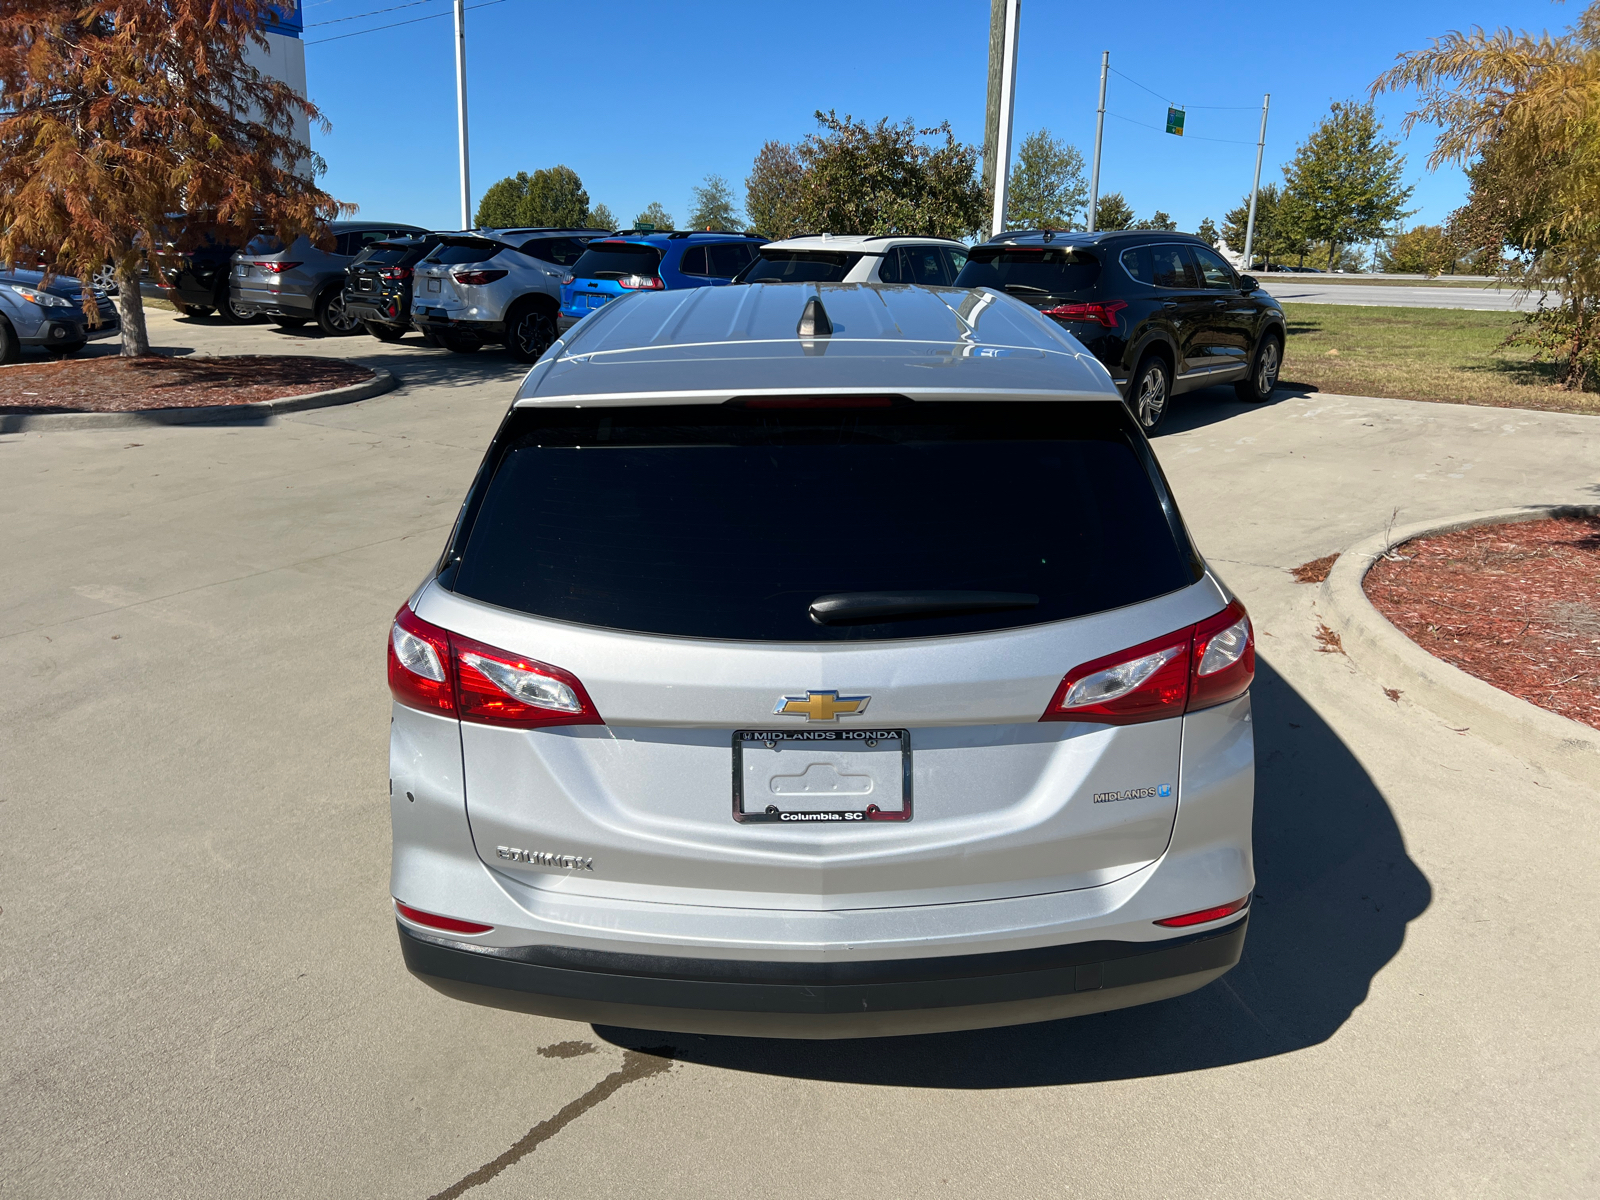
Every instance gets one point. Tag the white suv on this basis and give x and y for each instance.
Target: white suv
(830, 258)
(496, 286)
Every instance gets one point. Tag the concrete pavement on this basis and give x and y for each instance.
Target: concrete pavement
(198, 966)
(1304, 291)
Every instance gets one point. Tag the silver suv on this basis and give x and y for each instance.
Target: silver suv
(301, 282)
(820, 662)
(496, 286)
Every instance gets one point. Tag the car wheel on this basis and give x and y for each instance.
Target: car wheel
(105, 279)
(384, 333)
(288, 322)
(228, 308)
(196, 311)
(1263, 378)
(10, 347)
(529, 333)
(1150, 393)
(460, 343)
(332, 316)
(429, 338)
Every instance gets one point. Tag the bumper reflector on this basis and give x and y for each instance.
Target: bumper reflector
(1205, 914)
(417, 917)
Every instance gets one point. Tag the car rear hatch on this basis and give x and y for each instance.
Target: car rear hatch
(610, 267)
(798, 657)
(1053, 279)
(434, 280)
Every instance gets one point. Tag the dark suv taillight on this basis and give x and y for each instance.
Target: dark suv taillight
(394, 274)
(1100, 313)
(1204, 665)
(441, 672)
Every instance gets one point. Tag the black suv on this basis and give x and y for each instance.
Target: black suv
(1162, 311)
(377, 286)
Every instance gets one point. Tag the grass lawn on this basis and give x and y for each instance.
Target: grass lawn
(1453, 355)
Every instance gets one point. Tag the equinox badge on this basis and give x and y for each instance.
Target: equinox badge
(821, 706)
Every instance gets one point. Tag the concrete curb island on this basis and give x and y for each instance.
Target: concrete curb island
(263, 410)
(1389, 656)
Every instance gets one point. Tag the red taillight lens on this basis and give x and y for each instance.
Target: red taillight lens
(475, 278)
(1224, 658)
(1101, 314)
(395, 273)
(433, 921)
(420, 674)
(647, 282)
(1194, 668)
(277, 268)
(1201, 916)
(441, 672)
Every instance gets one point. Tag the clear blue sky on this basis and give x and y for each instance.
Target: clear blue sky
(643, 100)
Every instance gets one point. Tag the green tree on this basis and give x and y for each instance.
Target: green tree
(1344, 184)
(772, 191)
(1424, 250)
(556, 198)
(714, 206)
(1046, 189)
(1111, 211)
(1160, 221)
(1207, 232)
(502, 202)
(1274, 242)
(601, 217)
(886, 178)
(654, 215)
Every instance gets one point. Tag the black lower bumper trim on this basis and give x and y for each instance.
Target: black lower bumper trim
(823, 988)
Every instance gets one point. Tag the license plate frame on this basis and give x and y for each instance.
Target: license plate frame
(834, 739)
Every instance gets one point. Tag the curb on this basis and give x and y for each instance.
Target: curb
(263, 410)
(1383, 652)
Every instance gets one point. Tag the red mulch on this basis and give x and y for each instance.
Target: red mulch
(112, 384)
(1516, 605)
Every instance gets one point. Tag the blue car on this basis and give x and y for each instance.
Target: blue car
(633, 261)
(48, 316)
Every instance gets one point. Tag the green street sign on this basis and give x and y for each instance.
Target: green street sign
(1175, 121)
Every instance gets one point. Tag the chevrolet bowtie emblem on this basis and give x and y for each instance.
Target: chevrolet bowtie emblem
(820, 706)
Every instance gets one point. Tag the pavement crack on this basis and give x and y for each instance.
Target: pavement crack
(636, 1065)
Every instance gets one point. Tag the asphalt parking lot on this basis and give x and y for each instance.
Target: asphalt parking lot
(198, 965)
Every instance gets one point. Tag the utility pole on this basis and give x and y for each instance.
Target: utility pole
(461, 110)
(1008, 97)
(1099, 135)
(1250, 225)
(991, 114)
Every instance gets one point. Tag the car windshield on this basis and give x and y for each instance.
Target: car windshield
(457, 251)
(723, 521)
(613, 260)
(1024, 270)
(799, 266)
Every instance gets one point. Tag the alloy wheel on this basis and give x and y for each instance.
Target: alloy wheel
(533, 335)
(339, 318)
(1267, 371)
(1152, 397)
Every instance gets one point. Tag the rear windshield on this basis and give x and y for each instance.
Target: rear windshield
(720, 521)
(466, 250)
(1024, 270)
(383, 255)
(799, 266)
(612, 260)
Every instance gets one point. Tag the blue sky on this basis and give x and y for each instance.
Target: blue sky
(644, 100)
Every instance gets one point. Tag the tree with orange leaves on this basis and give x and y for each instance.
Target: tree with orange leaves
(117, 117)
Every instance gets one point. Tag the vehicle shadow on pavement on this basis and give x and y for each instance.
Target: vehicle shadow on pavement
(1335, 890)
(1209, 406)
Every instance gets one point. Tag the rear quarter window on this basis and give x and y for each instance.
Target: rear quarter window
(717, 521)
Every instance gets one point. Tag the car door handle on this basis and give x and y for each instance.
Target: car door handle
(1169, 304)
(1219, 304)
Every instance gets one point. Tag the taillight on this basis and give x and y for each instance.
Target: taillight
(276, 268)
(441, 672)
(566, 280)
(395, 273)
(1203, 915)
(475, 278)
(433, 921)
(647, 282)
(1194, 668)
(1101, 314)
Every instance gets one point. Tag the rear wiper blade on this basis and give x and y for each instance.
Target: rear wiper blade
(1026, 287)
(840, 607)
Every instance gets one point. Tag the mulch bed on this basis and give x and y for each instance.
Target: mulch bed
(1516, 605)
(113, 384)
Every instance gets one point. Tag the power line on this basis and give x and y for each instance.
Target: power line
(373, 13)
(1186, 107)
(1186, 137)
(396, 24)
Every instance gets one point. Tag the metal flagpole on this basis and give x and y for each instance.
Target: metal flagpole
(1099, 133)
(1250, 225)
(1008, 96)
(461, 110)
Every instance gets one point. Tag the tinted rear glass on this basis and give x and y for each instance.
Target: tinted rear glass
(611, 260)
(1055, 271)
(800, 266)
(473, 250)
(383, 256)
(717, 521)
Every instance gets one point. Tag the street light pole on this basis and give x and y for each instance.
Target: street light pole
(1250, 225)
(1008, 97)
(1099, 133)
(461, 111)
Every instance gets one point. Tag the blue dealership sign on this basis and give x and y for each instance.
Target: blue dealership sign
(283, 17)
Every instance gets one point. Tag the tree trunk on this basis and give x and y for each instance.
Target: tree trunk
(130, 308)
(1333, 249)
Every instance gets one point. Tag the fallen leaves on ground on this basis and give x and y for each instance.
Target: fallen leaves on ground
(114, 384)
(1316, 570)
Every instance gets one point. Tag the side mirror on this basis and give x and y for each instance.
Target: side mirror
(1248, 283)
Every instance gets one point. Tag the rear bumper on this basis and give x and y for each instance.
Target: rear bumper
(385, 310)
(431, 320)
(824, 1000)
(273, 303)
